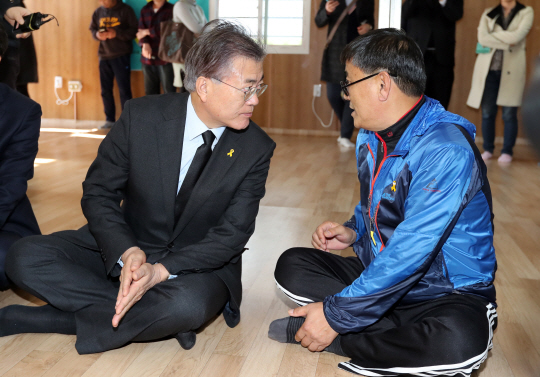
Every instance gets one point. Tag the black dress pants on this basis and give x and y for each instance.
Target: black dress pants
(73, 279)
(448, 336)
(120, 68)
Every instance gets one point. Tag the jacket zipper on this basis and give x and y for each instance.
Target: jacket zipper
(373, 220)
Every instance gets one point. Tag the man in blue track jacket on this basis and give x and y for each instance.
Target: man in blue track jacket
(419, 297)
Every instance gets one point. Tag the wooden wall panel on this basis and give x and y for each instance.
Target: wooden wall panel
(68, 51)
(71, 52)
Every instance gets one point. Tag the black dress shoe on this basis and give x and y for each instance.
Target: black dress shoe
(186, 339)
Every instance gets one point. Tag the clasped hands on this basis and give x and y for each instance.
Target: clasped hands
(316, 334)
(136, 278)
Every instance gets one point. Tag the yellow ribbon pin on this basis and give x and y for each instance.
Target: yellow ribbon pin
(394, 186)
(230, 153)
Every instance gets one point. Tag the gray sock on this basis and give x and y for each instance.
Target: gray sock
(283, 330)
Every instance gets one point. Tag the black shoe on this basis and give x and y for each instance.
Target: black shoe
(186, 339)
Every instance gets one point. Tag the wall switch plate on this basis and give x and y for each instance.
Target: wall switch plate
(317, 90)
(58, 82)
(74, 86)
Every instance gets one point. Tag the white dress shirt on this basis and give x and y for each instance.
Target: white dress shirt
(193, 139)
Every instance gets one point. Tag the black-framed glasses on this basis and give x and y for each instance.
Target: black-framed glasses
(248, 92)
(345, 84)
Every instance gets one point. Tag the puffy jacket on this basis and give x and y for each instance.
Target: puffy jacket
(424, 223)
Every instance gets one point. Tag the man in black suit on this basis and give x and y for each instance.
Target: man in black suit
(20, 119)
(171, 201)
(432, 24)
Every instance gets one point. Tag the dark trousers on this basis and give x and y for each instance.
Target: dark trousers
(341, 108)
(6, 240)
(156, 74)
(10, 67)
(73, 279)
(489, 114)
(109, 69)
(439, 336)
(440, 78)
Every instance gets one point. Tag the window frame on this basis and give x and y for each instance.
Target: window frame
(302, 49)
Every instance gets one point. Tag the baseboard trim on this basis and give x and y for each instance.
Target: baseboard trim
(296, 132)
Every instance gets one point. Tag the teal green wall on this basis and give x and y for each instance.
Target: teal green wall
(137, 6)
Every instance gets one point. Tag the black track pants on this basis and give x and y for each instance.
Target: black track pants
(448, 336)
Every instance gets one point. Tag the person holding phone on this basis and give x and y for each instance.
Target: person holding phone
(114, 25)
(358, 20)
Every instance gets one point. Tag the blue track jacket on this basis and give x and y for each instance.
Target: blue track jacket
(424, 223)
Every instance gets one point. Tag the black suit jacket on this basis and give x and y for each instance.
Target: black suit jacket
(426, 19)
(130, 190)
(20, 119)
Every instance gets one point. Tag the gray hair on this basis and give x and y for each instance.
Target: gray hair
(213, 52)
(393, 51)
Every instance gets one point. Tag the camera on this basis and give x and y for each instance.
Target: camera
(33, 22)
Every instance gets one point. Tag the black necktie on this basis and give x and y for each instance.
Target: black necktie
(202, 155)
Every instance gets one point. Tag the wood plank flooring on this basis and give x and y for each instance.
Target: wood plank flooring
(310, 181)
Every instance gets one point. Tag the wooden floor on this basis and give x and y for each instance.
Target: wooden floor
(310, 180)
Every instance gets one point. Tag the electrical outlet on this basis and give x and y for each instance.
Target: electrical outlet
(317, 90)
(74, 86)
(58, 82)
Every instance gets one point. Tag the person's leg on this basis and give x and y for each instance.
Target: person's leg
(106, 77)
(122, 71)
(175, 306)
(445, 336)
(430, 62)
(509, 115)
(309, 275)
(489, 109)
(151, 79)
(6, 240)
(347, 122)
(441, 80)
(10, 67)
(343, 111)
(166, 76)
(333, 93)
(23, 89)
(64, 275)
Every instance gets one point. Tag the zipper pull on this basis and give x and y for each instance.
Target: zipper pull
(394, 186)
(373, 238)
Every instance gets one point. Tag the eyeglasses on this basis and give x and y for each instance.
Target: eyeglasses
(345, 84)
(248, 92)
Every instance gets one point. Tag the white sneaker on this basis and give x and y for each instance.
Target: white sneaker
(487, 155)
(344, 142)
(505, 158)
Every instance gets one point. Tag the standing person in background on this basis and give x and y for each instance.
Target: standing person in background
(499, 72)
(155, 70)
(114, 25)
(192, 16)
(358, 20)
(432, 24)
(28, 72)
